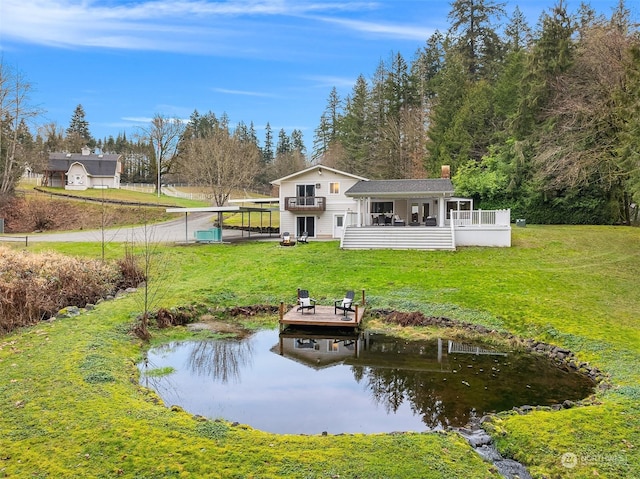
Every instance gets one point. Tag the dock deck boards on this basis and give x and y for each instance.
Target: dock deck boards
(324, 316)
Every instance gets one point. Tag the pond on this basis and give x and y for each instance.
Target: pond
(351, 383)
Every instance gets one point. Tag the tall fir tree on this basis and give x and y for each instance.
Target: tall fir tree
(475, 36)
(78, 134)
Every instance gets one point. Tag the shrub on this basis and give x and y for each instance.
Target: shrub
(132, 274)
(36, 286)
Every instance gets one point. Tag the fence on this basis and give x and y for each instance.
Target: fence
(15, 239)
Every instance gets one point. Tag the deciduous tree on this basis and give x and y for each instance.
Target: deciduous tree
(163, 135)
(15, 109)
(221, 161)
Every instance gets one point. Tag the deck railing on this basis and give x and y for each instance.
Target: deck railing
(455, 347)
(305, 203)
(480, 217)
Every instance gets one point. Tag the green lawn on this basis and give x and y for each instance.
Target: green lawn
(71, 406)
(127, 196)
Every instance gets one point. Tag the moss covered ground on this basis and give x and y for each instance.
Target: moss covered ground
(71, 405)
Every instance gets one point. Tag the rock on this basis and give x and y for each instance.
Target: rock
(511, 469)
(68, 312)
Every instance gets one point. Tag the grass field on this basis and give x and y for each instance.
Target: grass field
(71, 406)
(127, 196)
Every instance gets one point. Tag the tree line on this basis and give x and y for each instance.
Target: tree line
(541, 120)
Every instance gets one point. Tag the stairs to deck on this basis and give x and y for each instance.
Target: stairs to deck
(398, 237)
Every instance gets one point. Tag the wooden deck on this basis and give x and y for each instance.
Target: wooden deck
(323, 317)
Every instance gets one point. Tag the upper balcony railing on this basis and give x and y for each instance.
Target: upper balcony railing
(481, 217)
(305, 203)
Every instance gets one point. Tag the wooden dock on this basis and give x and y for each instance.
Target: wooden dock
(324, 316)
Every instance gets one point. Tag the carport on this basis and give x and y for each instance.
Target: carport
(221, 210)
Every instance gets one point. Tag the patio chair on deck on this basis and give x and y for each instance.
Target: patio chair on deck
(305, 302)
(345, 305)
(304, 238)
(397, 221)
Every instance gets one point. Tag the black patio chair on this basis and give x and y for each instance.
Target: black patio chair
(345, 305)
(304, 238)
(286, 240)
(305, 302)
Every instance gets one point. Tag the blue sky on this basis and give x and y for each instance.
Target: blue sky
(259, 61)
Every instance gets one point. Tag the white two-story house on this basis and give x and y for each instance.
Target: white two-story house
(390, 214)
(313, 201)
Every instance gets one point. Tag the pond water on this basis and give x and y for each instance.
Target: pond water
(367, 383)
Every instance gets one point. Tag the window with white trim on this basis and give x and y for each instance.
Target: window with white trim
(334, 188)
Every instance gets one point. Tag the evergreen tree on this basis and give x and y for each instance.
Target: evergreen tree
(453, 86)
(267, 151)
(552, 54)
(284, 143)
(297, 143)
(517, 31)
(326, 133)
(78, 134)
(475, 37)
(354, 131)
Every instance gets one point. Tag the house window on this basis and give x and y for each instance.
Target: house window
(306, 194)
(334, 188)
(461, 205)
(382, 206)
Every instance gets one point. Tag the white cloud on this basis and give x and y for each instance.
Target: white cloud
(242, 92)
(321, 81)
(196, 26)
(408, 32)
(138, 119)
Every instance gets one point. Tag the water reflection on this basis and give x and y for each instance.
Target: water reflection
(220, 360)
(309, 383)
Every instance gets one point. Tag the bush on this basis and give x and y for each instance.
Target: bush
(34, 287)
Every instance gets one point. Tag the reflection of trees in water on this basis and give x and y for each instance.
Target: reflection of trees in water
(221, 360)
(391, 387)
(163, 385)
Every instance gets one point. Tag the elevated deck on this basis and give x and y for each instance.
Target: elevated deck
(323, 317)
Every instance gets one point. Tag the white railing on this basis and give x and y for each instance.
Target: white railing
(455, 347)
(168, 190)
(480, 217)
(143, 187)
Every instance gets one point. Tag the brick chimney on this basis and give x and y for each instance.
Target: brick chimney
(445, 172)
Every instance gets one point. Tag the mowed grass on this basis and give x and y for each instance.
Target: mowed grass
(126, 196)
(71, 405)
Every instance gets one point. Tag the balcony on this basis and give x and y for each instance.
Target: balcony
(305, 203)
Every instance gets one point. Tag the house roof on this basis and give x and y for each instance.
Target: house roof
(313, 168)
(402, 188)
(96, 165)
